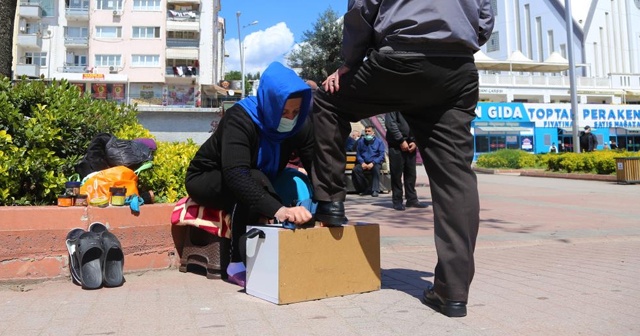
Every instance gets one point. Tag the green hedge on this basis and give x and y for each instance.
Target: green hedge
(598, 162)
(46, 129)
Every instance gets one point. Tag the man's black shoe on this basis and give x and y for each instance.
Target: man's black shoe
(398, 206)
(445, 307)
(374, 194)
(416, 204)
(331, 213)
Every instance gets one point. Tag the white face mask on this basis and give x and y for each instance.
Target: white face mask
(286, 125)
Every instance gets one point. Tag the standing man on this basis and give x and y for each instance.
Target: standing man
(369, 157)
(402, 161)
(424, 50)
(588, 140)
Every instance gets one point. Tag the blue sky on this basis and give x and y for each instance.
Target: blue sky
(280, 26)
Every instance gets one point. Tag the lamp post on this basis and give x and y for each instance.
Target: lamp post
(242, 49)
(572, 76)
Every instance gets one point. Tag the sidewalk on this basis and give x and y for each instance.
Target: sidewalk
(554, 256)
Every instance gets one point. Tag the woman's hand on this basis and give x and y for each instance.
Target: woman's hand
(297, 215)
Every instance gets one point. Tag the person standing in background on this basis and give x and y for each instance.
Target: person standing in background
(425, 50)
(402, 161)
(588, 140)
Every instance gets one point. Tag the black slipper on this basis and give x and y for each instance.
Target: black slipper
(97, 227)
(89, 256)
(113, 261)
(74, 265)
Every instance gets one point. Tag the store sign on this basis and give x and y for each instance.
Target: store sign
(560, 115)
(92, 76)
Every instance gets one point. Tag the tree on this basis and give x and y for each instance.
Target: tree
(318, 54)
(7, 16)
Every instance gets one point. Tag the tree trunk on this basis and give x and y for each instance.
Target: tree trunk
(7, 16)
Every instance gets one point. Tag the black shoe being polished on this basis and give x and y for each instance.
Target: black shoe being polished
(330, 213)
(445, 307)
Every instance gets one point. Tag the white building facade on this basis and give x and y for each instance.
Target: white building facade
(150, 52)
(524, 83)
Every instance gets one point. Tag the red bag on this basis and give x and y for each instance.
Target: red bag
(214, 221)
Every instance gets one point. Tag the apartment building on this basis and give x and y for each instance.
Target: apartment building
(151, 52)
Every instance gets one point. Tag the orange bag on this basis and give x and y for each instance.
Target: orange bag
(96, 185)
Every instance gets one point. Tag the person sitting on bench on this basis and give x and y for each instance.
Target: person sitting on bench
(236, 167)
(369, 157)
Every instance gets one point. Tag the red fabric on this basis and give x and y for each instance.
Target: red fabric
(214, 221)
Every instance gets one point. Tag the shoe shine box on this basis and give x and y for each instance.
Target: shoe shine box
(287, 266)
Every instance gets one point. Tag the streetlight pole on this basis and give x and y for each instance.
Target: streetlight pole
(572, 76)
(242, 49)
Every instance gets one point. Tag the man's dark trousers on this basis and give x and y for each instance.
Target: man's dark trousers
(437, 96)
(360, 182)
(402, 166)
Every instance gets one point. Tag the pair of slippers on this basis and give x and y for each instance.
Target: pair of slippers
(95, 257)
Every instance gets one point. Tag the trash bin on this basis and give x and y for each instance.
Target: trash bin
(628, 169)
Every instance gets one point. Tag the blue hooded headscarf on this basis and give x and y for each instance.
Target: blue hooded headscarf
(277, 83)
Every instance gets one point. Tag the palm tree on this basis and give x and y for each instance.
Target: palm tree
(7, 16)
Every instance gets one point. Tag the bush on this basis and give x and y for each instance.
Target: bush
(508, 158)
(46, 129)
(167, 176)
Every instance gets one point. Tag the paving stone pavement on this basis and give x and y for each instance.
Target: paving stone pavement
(554, 256)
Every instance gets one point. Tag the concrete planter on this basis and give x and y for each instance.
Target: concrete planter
(32, 238)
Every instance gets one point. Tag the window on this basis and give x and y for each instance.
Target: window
(48, 7)
(32, 28)
(108, 60)
(37, 58)
(146, 32)
(77, 32)
(494, 42)
(146, 4)
(108, 32)
(110, 4)
(145, 60)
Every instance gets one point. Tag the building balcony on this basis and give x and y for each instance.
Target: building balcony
(182, 43)
(182, 71)
(183, 21)
(30, 10)
(29, 40)
(29, 70)
(76, 41)
(77, 13)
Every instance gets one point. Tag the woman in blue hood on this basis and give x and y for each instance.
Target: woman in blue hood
(235, 168)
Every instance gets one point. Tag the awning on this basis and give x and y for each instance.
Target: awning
(182, 53)
(504, 129)
(632, 92)
(212, 90)
(519, 62)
